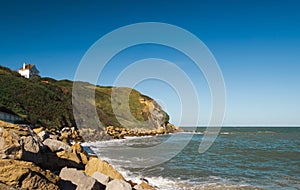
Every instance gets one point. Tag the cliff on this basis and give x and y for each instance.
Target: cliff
(47, 102)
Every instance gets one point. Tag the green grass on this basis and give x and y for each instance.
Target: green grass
(50, 104)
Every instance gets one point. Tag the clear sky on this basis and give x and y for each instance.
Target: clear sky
(256, 44)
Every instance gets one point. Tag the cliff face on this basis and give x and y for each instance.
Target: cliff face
(153, 113)
(47, 102)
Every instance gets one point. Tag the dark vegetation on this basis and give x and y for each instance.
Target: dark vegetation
(48, 102)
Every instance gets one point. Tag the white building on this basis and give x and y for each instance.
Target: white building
(28, 70)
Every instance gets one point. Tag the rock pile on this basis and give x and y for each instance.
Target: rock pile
(120, 133)
(40, 159)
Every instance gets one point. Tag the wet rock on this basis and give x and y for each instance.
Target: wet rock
(82, 181)
(98, 165)
(117, 184)
(26, 175)
(146, 186)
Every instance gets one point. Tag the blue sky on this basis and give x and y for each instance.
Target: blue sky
(256, 44)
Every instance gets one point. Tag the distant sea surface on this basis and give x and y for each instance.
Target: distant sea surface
(240, 158)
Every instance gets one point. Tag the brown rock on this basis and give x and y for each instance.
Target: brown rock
(53, 162)
(19, 130)
(6, 187)
(65, 136)
(98, 165)
(146, 186)
(38, 130)
(77, 148)
(82, 154)
(69, 156)
(10, 146)
(26, 175)
(84, 158)
(15, 146)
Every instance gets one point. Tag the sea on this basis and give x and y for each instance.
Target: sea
(239, 158)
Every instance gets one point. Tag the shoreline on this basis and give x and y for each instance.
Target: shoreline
(39, 159)
(161, 181)
(49, 161)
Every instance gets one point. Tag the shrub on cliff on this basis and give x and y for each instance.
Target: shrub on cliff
(48, 102)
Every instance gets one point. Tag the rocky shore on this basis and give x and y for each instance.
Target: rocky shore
(121, 133)
(42, 159)
(112, 132)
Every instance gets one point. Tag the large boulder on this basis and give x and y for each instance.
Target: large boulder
(101, 178)
(117, 184)
(69, 156)
(80, 179)
(31, 144)
(26, 175)
(98, 165)
(32, 148)
(10, 146)
(19, 143)
(53, 162)
(56, 145)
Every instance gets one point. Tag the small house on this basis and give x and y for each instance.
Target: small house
(29, 70)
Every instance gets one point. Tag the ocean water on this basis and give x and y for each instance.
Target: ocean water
(240, 158)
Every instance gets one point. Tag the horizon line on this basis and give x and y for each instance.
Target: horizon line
(246, 126)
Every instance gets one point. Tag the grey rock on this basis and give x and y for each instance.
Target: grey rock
(80, 179)
(117, 184)
(101, 178)
(55, 137)
(30, 144)
(43, 135)
(56, 145)
(32, 148)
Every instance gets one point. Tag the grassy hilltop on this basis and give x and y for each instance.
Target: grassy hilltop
(48, 102)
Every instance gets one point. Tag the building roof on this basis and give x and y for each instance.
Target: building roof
(28, 66)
